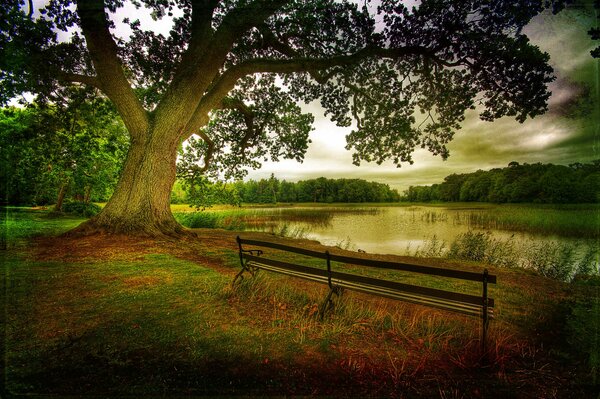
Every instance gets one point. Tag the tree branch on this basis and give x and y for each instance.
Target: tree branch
(77, 78)
(241, 19)
(232, 103)
(224, 83)
(110, 75)
(228, 79)
(210, 151)
(204, 59)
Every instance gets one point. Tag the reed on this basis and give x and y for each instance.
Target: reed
(568, 221)
(554, 259)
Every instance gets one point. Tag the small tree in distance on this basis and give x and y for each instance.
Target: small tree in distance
(232, 72)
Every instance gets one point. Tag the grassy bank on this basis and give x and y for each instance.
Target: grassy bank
(122, 316)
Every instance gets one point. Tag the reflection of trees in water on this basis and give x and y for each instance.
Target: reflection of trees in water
(317, 217)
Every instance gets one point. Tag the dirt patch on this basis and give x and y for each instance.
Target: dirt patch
(91, 248)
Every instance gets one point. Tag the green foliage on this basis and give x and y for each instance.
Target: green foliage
(202, 193)
(539, 183)
(396, 70)
(79, 144)
(178, 195)
(81, 208)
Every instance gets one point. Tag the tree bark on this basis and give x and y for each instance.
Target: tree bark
(88, 194)
(61, 196)
(140, 204)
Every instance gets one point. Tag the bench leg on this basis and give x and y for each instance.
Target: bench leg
(328, 302)
(485, 322)
(240, 275)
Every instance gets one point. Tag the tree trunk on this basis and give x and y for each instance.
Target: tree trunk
(88, 194)
(140, 204)
(61, 196)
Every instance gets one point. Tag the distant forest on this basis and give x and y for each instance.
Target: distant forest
(315, 190)
(272, 190)
(538, 183)
(516, 183)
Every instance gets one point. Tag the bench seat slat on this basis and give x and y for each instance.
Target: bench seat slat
(340, 278)
(458, 307)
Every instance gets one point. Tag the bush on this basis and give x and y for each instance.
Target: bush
(195, 220)
(81, 208)
(470, 246)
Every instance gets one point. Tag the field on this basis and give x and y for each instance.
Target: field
(121, 316)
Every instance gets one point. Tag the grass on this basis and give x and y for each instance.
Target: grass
(121, 316)
(21, 224)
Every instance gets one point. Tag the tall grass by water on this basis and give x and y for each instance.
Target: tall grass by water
(581, 220)
(566, 221)
(562, 261)
(286, 222)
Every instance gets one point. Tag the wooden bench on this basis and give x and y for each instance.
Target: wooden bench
(480, 306)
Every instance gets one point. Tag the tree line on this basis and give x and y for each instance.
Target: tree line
(538, 183)
(273, 190)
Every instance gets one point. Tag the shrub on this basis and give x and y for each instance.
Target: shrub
(195, 220)
(81, 208)
(470, 246)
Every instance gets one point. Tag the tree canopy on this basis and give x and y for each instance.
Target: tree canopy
(50, 153)
(233, 72)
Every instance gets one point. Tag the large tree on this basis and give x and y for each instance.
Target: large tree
(231, 72)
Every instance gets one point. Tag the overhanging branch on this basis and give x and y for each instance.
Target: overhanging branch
(77, 78)
(315, 66)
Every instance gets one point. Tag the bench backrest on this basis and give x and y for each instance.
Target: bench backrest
(434, 271)
(483, 277)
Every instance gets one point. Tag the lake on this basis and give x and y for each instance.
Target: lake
(509, 235)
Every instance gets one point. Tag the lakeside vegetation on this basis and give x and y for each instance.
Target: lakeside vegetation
(128, 316)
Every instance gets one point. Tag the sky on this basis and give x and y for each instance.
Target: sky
(569, 132)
